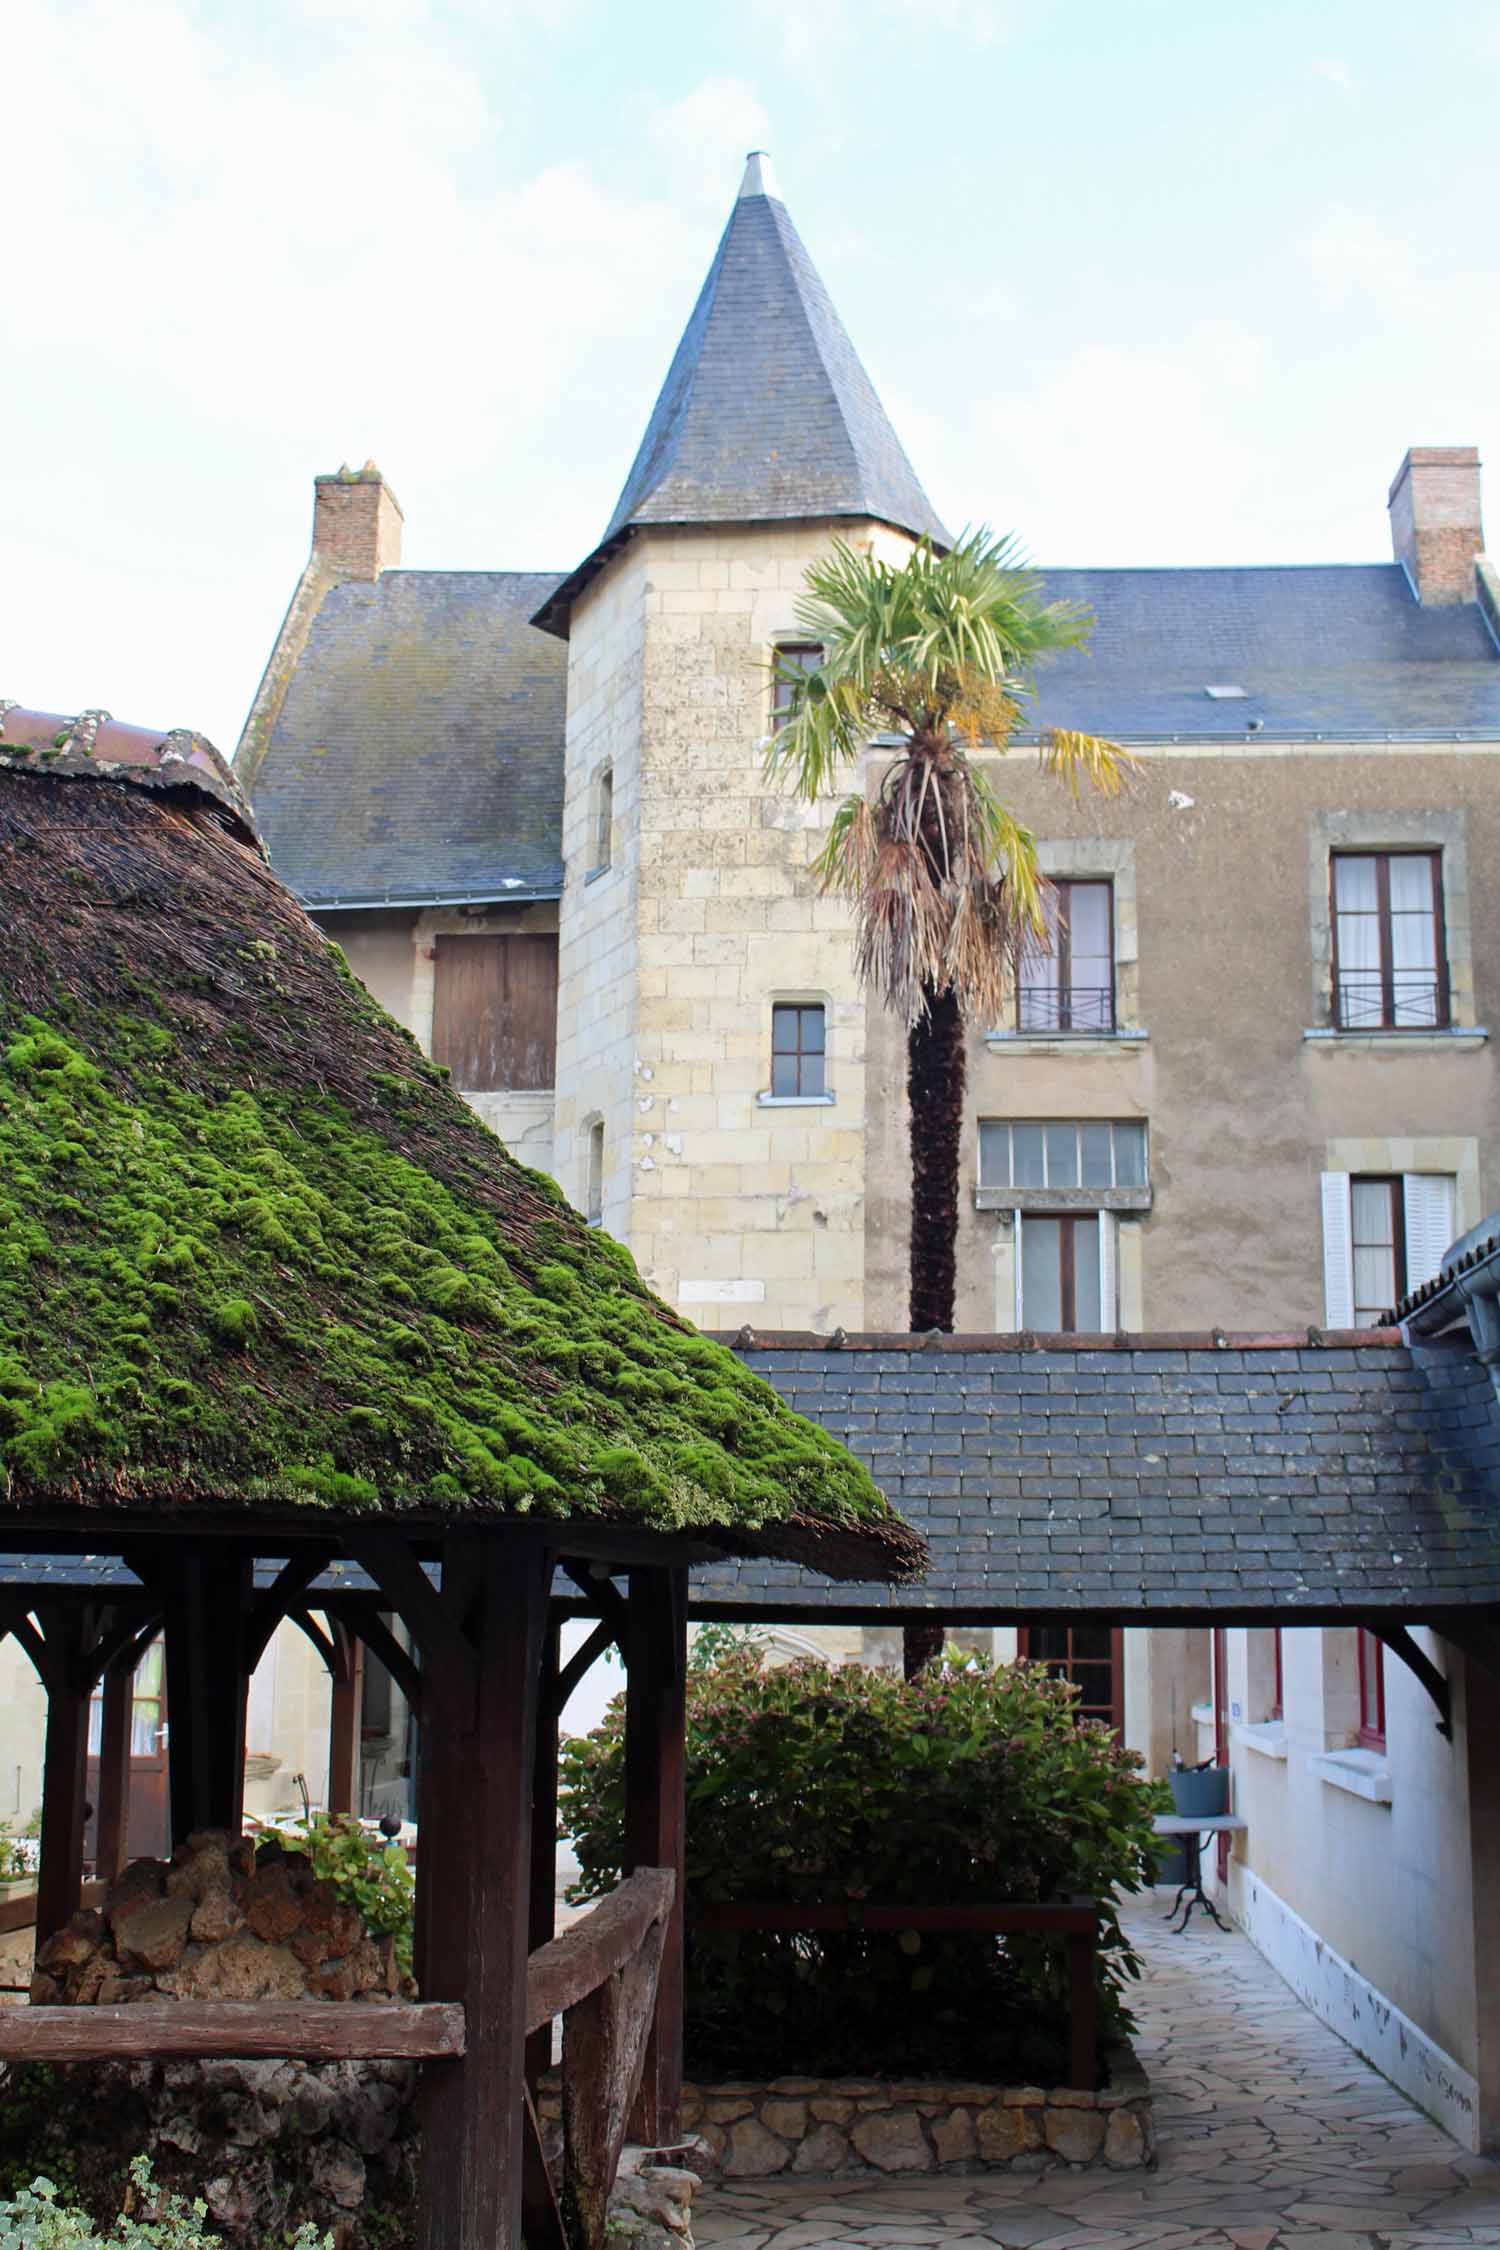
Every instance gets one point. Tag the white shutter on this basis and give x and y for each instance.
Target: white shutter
(1020, 1263)
(1109, 1314)
(1338, 1253)
(1428, 1197)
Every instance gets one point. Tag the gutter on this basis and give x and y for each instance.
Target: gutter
(517, 894)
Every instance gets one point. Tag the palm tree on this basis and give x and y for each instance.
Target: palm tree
(944, 879)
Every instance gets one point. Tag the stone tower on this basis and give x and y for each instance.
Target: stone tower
(689, 913)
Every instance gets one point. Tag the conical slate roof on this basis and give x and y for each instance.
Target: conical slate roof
(256, 1254)
(767, 413)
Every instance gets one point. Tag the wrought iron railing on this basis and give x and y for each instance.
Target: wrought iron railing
(1081, 1007)
(1365, 1001)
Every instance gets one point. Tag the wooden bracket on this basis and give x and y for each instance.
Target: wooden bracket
(582, 1660)
(277, 1600)
(1400, 1643)
(305, 1622)
(381, 1642)
(602, 1594)
(429, 1616)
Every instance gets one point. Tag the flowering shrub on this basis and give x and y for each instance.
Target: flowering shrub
(974, 1784)
(35, 2220)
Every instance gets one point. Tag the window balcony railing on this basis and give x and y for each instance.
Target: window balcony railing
(1080, 1008)
(1364, 1001)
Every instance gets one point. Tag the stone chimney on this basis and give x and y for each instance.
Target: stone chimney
(356, 523)
(1435, 526)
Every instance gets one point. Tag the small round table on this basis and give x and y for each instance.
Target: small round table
(1192, 1828)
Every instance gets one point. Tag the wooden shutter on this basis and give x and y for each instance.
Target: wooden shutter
(1338, 1252)
(1428, 1197)
(494, 1020)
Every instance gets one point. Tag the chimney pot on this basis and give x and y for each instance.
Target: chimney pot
(1436, 531)
(356, 523)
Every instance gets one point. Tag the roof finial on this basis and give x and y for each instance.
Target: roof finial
(759, 178)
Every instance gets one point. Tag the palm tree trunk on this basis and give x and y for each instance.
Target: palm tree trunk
(935, 1115)
(935, 1110)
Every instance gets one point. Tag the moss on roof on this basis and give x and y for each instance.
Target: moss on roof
(255, 1252)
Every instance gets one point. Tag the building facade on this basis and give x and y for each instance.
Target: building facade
(1248, 1085)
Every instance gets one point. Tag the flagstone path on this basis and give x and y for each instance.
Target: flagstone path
(1273, 2136)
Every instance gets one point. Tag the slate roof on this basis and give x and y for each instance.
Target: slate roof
(1342, 1477)
(767, 413)
(418, 752)
(1332, 650)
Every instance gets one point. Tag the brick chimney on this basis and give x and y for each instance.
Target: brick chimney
(1435, 526)
(356, 523)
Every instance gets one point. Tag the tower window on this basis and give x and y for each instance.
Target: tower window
(603, 821)
(798, 1049)
(794, 661)
(593, 1198)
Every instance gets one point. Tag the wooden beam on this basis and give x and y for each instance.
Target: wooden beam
(306, 1623)
(583, 1660)
(1401, 1645)
(287, 1587)
(111, 1835)
(126, 1637)
(604, 1596)
(542, 1920)
(65, 1637)
(205, 1592)
(343, 1720)
(434, 1620)
(381, 1642)
(597, 1945)
(655, 1777)
(311, 2030)
(473, 1876)
(20, 1913)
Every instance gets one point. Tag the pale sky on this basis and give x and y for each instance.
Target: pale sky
(1145, 281)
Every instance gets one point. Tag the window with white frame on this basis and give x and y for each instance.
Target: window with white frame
(1062, 1152)
(1384, 1234)
(1064, 1180)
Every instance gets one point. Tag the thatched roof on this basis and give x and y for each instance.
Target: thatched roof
(255, 1253)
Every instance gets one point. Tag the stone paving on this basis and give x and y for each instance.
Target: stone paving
(1273, 2136)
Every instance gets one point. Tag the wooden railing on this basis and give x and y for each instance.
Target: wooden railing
(599, 1976)
(1074, 1920)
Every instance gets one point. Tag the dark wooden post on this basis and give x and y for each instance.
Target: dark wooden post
(343, 1719)
(112, 1846)
(655, 1761)
(206, 1591)
(479, 1686)
(542, 1923)
(61, 1663)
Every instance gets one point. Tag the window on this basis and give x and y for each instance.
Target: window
(1062, 1153)
(1371, 1690)
(1384, 1234)
(1066, 1273)
(794, 661)
(1067, 981)
(494, 1019)
(603, 820)
(1278, 1686)
(593, 1194)
(1091, 1656)
(798, 1043)
(1389, 957)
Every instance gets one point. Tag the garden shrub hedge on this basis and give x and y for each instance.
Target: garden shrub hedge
(974, 1784)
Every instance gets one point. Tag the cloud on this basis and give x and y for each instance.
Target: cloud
(805, 33)
(1335, 70)
(704, 135)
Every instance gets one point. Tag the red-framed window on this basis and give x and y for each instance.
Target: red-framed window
(1371, 1690)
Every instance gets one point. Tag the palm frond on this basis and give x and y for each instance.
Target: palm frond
(1078, 758)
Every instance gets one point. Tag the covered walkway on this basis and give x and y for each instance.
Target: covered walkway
(1273, 2136)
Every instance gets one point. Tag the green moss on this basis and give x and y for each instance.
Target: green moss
(226, 1291)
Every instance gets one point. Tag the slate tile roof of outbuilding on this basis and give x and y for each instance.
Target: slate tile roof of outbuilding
(1335, 650)
(418, 753)
(1174, 1476)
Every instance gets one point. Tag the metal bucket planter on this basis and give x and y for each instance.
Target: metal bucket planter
(1200, 1790)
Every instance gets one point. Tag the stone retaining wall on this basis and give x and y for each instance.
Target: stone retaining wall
(824, 2126)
